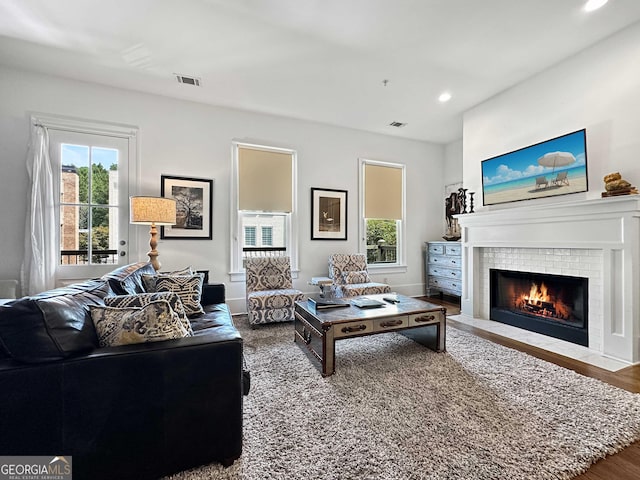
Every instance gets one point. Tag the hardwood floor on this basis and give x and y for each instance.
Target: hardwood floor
(621, 466)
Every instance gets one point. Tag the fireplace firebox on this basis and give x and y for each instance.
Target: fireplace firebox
(554, 305)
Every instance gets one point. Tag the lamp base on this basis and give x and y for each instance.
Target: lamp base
(153, 243)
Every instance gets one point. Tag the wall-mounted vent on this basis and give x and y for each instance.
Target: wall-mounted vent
(397, 124)
(188, 80)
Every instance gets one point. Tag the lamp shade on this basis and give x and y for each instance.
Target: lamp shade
(153, 210)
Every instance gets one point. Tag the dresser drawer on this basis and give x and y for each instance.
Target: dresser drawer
(352, 329)
(454, 250)
(446, 285)
(438, 271)
(436, 249)
(452, 262)
(391, 323)
(426, 318)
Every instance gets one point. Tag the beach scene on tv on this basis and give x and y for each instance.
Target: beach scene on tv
(554, 167)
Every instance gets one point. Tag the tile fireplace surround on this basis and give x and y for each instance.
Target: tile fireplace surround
(598, 239)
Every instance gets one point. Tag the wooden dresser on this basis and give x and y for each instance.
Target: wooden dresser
(443, 268)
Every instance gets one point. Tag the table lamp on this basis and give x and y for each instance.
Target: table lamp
(153, 211)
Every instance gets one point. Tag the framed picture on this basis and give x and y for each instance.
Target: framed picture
(193, 198)
(328, 214)
(553, 167)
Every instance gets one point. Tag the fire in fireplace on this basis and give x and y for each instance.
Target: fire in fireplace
(554, 305)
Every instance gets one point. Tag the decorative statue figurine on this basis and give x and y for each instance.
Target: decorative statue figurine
(452, 206)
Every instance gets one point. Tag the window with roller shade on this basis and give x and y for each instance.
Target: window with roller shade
(382, 206)
(264, 194)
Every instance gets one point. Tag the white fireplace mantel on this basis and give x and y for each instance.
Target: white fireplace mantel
(610, 226)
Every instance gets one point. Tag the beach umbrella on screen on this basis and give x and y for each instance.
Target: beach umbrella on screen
(556, 159)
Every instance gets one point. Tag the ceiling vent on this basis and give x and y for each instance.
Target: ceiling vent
(397, 124)
(195, 81)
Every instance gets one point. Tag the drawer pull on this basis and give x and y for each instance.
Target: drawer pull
(391, 323)
(306, 336)
(428, 318)
(357, 328)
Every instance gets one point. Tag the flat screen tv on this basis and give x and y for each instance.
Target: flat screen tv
(546, 169)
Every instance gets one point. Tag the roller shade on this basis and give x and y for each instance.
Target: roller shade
(382, 192)
(264, 180)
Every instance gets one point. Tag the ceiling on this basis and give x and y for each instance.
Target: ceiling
(319, 60)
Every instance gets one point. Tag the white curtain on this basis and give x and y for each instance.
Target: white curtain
(40, 252)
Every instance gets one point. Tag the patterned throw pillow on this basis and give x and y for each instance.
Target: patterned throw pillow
(142, 299)
(123, 326)
(149, 280)
(351, 278)
(189, 288)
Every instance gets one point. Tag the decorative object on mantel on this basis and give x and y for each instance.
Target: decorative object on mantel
(452, 206)
(462, 198)
(615, 185)
(455, 203)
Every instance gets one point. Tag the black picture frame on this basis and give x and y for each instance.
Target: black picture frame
(194, 205)
(328, 214)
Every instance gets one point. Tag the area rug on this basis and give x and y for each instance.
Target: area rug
(397, 410)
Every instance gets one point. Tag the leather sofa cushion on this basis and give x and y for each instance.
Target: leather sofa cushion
(127, 280)
(52, 325)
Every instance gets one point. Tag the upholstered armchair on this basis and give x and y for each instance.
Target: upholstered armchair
(270, 293)
(351, 277)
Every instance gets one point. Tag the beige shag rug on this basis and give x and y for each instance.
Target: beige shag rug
(397, 410)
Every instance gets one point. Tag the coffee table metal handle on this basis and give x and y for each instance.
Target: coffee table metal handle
(357, 328)
(428, 318)
(391, 323)
(306, 336)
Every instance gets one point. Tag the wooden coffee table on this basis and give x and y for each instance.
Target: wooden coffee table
(316, 331)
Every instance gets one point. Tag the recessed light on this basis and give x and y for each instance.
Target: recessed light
(397, 124)
(444, 97)
(592, 5)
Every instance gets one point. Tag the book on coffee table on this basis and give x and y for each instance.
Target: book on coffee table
(322, 303)
(367, 303)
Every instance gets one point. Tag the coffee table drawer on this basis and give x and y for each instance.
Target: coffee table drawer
(426, 318)
(391, 323)
(352, 329)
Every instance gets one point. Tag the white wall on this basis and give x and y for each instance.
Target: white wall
(453, 162)
(193, 140)
(598, 89)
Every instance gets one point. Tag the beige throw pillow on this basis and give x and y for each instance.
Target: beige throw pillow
(154, 322)
(189, 288)
(142, 299)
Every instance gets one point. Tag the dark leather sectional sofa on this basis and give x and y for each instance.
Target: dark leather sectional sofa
(129, 412)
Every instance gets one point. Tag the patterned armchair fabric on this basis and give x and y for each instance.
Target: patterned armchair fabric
(350, 276)
(270, 292)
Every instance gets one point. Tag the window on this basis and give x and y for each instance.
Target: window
(88, 204)
(382, 211)
(91, 168)
(267, 236)
(250, 236)
(264, 196)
